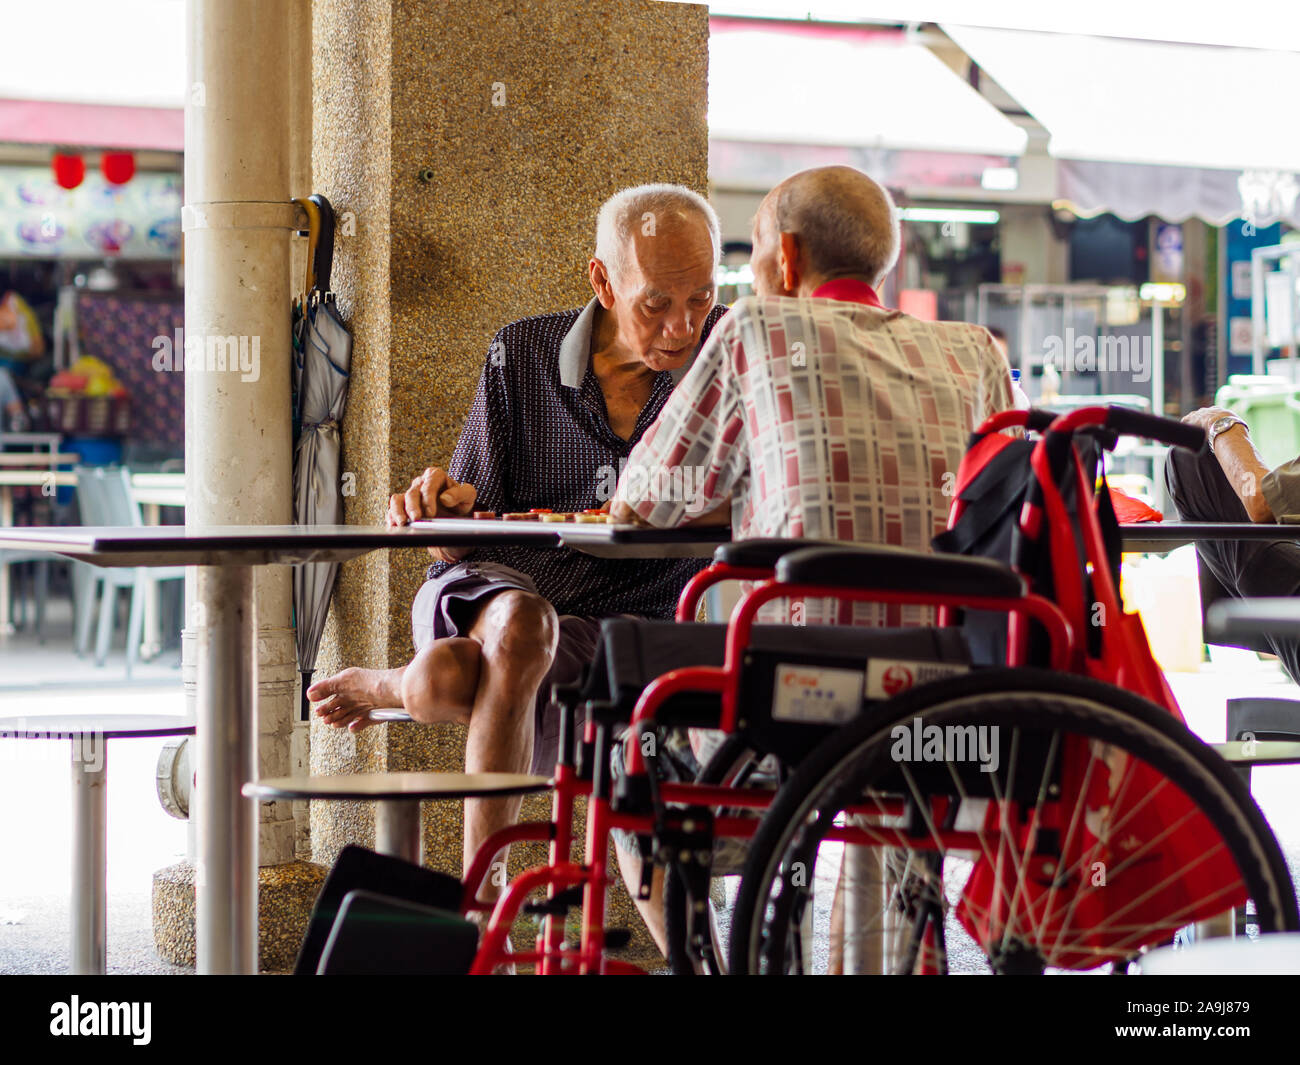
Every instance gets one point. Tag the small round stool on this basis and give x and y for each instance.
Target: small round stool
(397, 797)
(89, 733)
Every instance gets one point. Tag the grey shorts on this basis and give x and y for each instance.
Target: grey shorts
(449, 604)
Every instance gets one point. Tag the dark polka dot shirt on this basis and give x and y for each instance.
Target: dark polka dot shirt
(538, 435)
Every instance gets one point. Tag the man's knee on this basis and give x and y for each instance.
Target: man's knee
(520, 624)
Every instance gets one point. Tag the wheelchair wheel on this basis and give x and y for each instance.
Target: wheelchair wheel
(1009, 821)
(732, 764)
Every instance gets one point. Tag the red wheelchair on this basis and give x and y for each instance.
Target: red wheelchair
(1011, 789)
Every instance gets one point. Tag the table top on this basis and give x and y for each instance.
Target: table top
(412, 786)
(108, 726)
(1276, 954)
(30, 439)
(1162, 536)
(1260, 752)
(36, 458)
(597, 538)
(34, 476)
(1251, 617)
(255, 545)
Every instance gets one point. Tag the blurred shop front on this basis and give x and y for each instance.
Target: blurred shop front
(90, 287)
(1119, 210)
(93, 273)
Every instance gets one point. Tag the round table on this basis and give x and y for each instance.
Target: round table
(89, 734)
(397, 797)
(1276, 954)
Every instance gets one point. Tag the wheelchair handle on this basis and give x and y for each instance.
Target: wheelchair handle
(1154, 427)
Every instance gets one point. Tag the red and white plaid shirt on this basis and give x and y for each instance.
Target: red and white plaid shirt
(829, 418)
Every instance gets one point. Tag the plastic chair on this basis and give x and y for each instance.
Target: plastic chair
(40, 591)
(106, 499)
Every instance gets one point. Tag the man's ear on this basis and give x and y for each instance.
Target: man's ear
(790, 263)
(600, 283)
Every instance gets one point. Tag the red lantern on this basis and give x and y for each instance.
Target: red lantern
(118, 167)
(69, 170)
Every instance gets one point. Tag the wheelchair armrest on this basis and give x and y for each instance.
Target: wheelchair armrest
(897, 569)
(764, 553)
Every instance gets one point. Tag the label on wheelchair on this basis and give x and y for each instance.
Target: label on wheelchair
(816, 695)
(888, 677)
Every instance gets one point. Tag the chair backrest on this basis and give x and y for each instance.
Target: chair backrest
(104, 493)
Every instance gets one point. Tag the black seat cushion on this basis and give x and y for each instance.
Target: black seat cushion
(897, 569)
(359, 868)
(635, 651)
(375, 935)
(763, 553)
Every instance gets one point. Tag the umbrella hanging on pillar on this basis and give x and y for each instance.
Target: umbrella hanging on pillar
(322, 360)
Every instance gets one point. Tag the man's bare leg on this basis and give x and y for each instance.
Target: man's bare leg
(487, 680)
(517, 632)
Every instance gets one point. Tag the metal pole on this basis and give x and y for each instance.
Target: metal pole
(397, 829)
(237, 220)
(6, 522)
(1258, 321)
(226, 873)
(89, 853)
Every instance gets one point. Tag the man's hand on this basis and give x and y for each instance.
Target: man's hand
(434, 494)
(623, 514)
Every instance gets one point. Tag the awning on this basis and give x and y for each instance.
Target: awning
(91, 125)
(1146, 102)
(1175, 193)
(1247, 23)
(846, 87)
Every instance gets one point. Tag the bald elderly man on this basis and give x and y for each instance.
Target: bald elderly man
(813, 410)
(562, 401)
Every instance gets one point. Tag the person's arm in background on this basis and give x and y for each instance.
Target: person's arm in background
(1241, 462)
(700, 432)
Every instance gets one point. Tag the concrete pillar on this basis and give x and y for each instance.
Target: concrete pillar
(238, 225)
(466, 149)
(300, 185)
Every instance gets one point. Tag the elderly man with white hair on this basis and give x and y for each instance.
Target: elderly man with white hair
(562, 400)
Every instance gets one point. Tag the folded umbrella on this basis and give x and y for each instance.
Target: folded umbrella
(322, 363)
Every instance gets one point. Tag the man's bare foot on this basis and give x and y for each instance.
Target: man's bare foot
(347, 698)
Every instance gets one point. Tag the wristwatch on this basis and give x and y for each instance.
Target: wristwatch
(1222, 425)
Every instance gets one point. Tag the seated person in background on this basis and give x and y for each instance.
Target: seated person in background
(12, 411)
(1231, 482)
(819, 412)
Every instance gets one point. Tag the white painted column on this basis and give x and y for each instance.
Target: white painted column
(238, 225)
